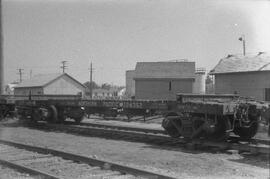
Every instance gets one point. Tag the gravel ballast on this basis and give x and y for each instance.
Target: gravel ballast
(180, 163)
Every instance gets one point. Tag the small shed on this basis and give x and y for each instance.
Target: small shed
(162, 80)
(244, 75)
(53, 84)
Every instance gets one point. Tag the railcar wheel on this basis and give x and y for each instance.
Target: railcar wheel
(52, 114)
(61, 116)
(3, 111)
(247, 132)
(78, 120)
(198, 131)
(221, 131)
(77, 114)
(36, 115)
(169, 126)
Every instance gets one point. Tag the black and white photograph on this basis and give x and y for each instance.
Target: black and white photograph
(134, 89)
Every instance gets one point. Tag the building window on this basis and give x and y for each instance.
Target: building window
(267, 94)
(170, 86)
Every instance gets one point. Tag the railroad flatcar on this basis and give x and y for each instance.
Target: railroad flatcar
(214, 116)
(191, 116)
(7, 106)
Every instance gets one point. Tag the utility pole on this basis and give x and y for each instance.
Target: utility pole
(20, 73)
(242, 38)
(91, 80)
(64, 66)
(1, 53)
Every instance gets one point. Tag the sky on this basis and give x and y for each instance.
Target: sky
(115, 34)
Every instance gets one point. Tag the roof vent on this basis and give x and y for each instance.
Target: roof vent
(260, 53)
(177, 60)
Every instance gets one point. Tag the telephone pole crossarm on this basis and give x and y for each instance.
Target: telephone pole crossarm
(64, 66)
(20, 73)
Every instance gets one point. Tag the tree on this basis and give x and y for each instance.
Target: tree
(209, 79)
(209, 84)
(106, 86)
(94, 85)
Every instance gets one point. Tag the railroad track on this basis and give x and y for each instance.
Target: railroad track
(159, 131)
(49, 163)
(113, 126)
(254, 147)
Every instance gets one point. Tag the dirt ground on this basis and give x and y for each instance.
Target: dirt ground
(180, 163)
(7, 173)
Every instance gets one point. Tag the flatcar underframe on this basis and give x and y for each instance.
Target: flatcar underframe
(192, 116)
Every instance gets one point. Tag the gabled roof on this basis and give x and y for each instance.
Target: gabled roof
(165, 70)
(43, 80)
(240, 63)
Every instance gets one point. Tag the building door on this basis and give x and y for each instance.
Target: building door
(267, 94)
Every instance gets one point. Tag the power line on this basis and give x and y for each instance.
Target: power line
(64, 66)
(20, 73)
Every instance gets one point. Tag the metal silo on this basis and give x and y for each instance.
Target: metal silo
(199, 84)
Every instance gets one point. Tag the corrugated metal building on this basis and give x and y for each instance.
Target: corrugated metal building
(50, 84)
(244, 75)
(162, 80)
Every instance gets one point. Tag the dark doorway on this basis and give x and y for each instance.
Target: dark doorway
(170, 86)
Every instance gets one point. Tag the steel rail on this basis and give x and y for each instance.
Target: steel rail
(156, 131)
(153, 138)
(88, 160)
(113, 126)
(253, 148)
(142, 130)
(28, 170)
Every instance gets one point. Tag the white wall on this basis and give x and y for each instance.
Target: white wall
(64, 85)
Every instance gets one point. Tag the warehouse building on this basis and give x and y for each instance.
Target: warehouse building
(163, 80)
(244, 75)
(52, 84)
